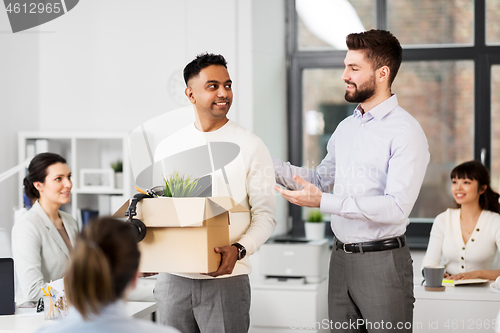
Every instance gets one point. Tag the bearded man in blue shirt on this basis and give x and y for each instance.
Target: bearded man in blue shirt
(369, 181)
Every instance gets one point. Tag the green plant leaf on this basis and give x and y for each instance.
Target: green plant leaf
(179, 185)
(117, 166)
(314, 215)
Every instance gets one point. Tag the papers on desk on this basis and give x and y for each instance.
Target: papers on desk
(453, 283)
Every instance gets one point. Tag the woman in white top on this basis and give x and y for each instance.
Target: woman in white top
(103, 270)
(43, 237)
(467, 237)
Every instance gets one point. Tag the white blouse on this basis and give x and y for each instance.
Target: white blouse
(446, 241)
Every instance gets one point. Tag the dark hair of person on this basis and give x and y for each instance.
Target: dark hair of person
(37, 172)
(475, 170)
(382, 49)
(202, 61)
(103, 263)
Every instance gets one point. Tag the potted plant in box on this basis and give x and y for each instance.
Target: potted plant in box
(314, 225)
(179, 185)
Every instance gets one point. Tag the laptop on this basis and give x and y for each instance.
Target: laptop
(7, 304)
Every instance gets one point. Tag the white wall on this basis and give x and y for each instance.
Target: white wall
(19, 104)
(108, 65)
(269, 85)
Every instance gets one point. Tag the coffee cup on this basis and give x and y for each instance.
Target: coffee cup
(434, 276)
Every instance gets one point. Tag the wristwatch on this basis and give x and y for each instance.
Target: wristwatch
(242, 252)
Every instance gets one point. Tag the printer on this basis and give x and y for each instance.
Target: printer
(294, 260)
(293, 286)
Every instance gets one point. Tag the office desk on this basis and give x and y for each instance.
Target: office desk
(470, 308)
(27, 320)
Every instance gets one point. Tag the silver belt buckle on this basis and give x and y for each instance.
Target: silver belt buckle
(343, 246)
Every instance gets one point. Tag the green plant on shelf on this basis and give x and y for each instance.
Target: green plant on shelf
(179, 185)
(315, 216)
(117, 166)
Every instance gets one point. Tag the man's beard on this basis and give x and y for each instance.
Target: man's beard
(362, 93)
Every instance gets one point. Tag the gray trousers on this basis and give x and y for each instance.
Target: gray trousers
(371, 291)
(204, 306)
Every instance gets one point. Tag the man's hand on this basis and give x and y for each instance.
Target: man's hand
(309, 196)
(229, 256)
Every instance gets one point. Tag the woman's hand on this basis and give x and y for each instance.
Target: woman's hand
(464, 276)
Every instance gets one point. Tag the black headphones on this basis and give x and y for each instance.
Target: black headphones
(131, 212)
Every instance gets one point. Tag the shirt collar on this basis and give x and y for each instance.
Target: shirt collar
(379, 111)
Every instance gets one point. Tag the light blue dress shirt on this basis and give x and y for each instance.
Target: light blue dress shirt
(113, 318)
(374, 169)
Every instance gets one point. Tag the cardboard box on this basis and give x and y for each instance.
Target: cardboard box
(183, 232)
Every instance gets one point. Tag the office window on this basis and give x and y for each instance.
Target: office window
(431, 21)
(449, 81)
(323, 24)
(495, 127)
(440, 95)
(492, 22)
(324, 107)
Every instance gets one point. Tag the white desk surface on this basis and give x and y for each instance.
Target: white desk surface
(466, 308)
(470, 292)
(27, 320)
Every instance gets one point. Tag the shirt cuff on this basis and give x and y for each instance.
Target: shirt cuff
(330, 203)
(248, 244)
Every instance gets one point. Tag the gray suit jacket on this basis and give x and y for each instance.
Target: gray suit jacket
(39, 252)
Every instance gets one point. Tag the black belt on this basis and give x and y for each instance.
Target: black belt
(381, 245)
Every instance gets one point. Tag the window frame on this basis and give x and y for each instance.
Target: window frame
(484, 56)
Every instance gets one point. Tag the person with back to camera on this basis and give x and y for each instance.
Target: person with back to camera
(104, 269)
(468, 237)
(43, 238)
